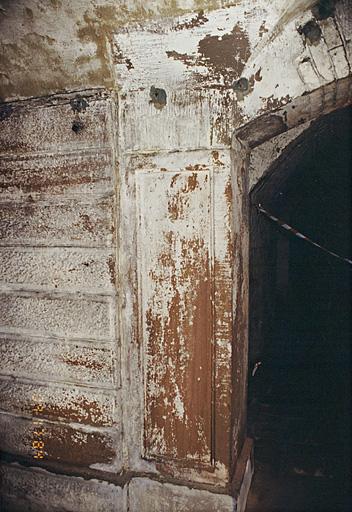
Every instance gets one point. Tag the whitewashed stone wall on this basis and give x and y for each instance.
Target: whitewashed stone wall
(124, 245)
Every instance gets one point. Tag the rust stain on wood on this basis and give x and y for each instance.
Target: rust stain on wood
(119, 58)
(189, 60)
(67, 175)
(263, 29)
(32, 221)
(223, 389)
(196, 167)
(178, 202)
(224, 56)
(227, 54)
(85, 362)
(216, 159)
(182, 368)
(186, 279)
(112, 269)
(81, 410)
(58, 404)
(271, 103)
(57, 189)
(87, 223)
(43, 129)
(258, 77)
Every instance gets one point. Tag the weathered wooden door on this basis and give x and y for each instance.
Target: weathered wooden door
(184, 295)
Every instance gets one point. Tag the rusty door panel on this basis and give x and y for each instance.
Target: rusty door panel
(175, 253)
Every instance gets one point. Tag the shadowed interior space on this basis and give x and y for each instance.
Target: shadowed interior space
(300, 331)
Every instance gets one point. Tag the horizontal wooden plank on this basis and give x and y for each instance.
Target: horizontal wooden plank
(35, 490)
(57, 403)
(57, 174)
(62, 443)
(51, 127)
(57, 360)
(71, 269)
(57, 316)
(67, 223)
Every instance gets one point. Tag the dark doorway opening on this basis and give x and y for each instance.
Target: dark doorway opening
(299, 408)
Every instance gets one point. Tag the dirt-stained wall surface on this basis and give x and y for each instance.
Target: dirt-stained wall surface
(55, 45)
(125, 130)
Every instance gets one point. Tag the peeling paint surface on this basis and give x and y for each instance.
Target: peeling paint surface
(27, 356)
(184, 295)
(195, 58)
(124, 232)
(198, 71)
(175, 269)
(71, 41)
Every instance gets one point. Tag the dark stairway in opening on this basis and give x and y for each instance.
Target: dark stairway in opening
(300, 465)
(299, 398)
(299, 403)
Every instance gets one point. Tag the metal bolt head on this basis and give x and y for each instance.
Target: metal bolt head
(311, 32)
(158, 97)
(241, 85)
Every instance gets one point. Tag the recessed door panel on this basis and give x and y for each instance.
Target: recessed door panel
(175, 276)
